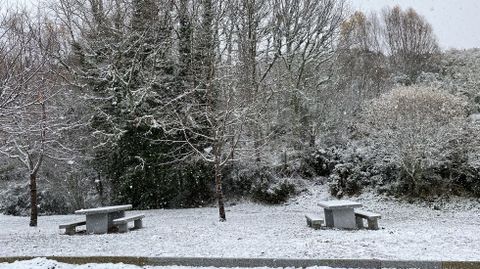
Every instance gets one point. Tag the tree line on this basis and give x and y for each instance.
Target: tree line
(152, 102)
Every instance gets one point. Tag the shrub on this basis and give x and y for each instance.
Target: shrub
(260, 183)
(455, 172)
(414, 127)
(273, 192)
(16, 201)
(345, 180)
(241, 179)
(354, 171)
(321, 162)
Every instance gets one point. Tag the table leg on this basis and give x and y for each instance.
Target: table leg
(115, 215)
(328, 217)
(359, 222)
(97, 223)
(112, 216)
(344, 218)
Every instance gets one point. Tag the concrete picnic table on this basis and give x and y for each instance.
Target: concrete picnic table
(99, 220)
(339, 213)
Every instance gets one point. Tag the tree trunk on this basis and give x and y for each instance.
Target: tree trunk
(100, 191)
(219, 192)
(257, 143)
(35, 168)
(185, 42)
(312, 137)
(33, 200)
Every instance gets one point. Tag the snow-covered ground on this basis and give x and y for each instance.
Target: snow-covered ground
(42, 263)
(408, 231)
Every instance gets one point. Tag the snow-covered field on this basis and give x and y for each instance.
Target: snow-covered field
(408, 231)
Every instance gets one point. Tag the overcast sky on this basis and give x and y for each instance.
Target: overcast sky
(456, 22)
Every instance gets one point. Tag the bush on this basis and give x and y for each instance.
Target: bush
(345, 180)
(239, 180)
(16, 201)
(273, 192)
(260, 183)
(321, 162)
(9, 171)
(353, 171)
(414, 127)
(454, 172)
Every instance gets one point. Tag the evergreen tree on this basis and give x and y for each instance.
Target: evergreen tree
(133, 76)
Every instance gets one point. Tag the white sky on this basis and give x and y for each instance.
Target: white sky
(456, 23)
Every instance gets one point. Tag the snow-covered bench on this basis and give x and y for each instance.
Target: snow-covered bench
(122, 223)
(70, 228)
(372, 219)
(314, 221)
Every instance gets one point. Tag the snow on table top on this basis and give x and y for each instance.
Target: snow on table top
(105, 209)
(407, 232)
(337, 204)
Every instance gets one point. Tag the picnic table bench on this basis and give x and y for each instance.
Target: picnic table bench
(122, 223)
(314, 221)
(70, 228)
(372, 219)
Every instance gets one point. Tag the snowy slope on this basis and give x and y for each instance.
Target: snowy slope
(408, 231)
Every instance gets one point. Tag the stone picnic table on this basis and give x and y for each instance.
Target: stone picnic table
(100, 220)
(339, 213)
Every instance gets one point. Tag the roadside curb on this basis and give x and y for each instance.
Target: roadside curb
(257, 262)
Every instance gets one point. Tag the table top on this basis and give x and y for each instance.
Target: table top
(102, 210)
(339, 204)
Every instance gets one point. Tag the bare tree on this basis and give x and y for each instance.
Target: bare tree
(362, 70)
(210, 114)
(214, 116)
(304, 34)
(32, 115)
(225, 128)
(410, 41)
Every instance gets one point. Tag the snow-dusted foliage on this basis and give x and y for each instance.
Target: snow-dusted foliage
(461, 74)
(418, 140)
(264, 184)
(424, 133)
(15, 201)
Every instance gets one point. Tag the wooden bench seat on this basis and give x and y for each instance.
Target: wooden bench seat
(122, 223)
(70, 228)
(372, 219)
(314, 221)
